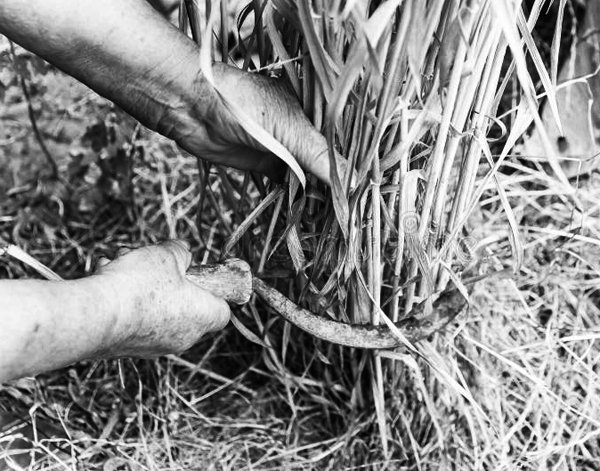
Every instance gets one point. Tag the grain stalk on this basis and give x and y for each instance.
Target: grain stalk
(407, 92)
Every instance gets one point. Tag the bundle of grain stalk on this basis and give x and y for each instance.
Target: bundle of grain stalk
(410, 94)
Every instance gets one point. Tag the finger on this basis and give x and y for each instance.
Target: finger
(311, 149)
(254, 159)
(210, 313)
(219, 312)
(291, 127)
(276, 108)
(184, 243)
(181, 250)
(272, 166)
(308, 145)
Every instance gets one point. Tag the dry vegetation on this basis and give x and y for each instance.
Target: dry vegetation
(427, 100)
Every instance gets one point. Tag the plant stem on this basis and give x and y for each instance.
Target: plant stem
(30, 112)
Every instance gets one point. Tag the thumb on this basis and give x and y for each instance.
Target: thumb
(311, 149)
(212, 312)
(180, 249)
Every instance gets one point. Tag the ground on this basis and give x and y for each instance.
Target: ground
(523, 359)
(217, 406)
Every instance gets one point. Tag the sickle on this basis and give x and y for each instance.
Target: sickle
(233, 281)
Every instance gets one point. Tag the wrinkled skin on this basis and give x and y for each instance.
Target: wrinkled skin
(267, 101)
(128, 53)
(166, 313)
(140, 304)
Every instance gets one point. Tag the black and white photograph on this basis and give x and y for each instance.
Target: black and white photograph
(334, 235)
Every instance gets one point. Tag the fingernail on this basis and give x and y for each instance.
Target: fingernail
(122, 251)
(183, 242)
(102, 261)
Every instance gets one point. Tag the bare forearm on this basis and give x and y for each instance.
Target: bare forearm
(47, 325)
(122, 49)
(139, 305)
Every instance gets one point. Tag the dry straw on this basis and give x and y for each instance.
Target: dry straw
(409, 93)
(425, 99)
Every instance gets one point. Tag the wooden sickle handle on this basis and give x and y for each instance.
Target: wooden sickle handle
(230, 280)
(233, 281)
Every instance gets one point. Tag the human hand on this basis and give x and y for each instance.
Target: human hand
(162, 86)
(209, 130)
(161, 311)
